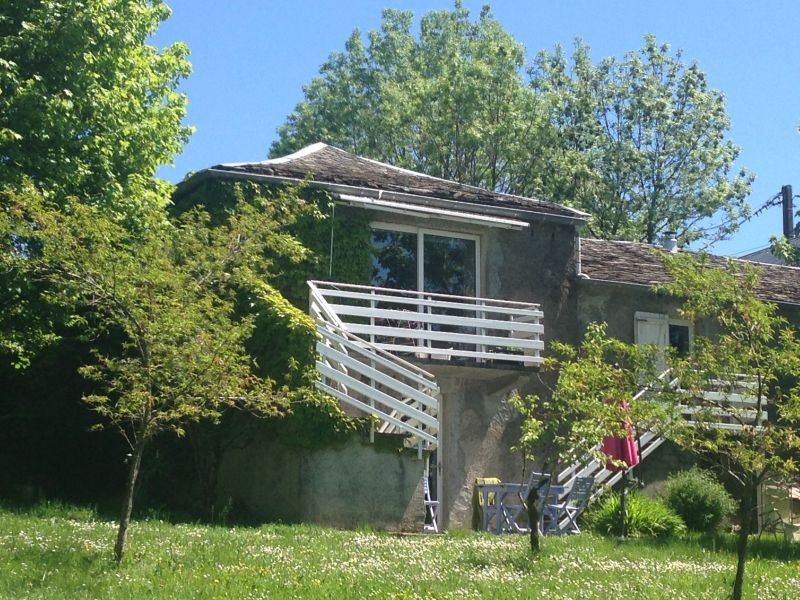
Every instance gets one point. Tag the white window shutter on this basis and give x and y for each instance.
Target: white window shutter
(651, 328)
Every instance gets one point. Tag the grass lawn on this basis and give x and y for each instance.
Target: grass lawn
(65, 552)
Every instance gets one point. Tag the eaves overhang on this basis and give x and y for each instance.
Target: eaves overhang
(411, 200)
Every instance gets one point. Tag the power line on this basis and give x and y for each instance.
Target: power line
(772, 201)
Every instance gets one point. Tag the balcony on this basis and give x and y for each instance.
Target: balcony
(438, 327)
(370, 336)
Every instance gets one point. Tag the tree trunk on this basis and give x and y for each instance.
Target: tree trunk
(533, 517)
(746, 518)
(127, 503)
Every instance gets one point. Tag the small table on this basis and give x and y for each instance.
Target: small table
(502, 516)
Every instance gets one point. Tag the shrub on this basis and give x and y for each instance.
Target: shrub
(699, 499)
(644, 517)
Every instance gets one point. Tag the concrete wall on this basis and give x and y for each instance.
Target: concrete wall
(617, 305)
(478, 430)
(536, 264)
(354, 484)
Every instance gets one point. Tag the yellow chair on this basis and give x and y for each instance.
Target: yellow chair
(477, 501)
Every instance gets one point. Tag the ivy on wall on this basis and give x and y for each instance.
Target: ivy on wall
(336, 239)
(333, 244)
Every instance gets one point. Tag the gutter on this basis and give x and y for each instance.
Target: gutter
(336, 188)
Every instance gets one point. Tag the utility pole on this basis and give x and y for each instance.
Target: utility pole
(788, 211)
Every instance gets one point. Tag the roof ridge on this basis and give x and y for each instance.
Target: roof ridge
(304, 151)
(321, 146)
(337, 166)
(619, 242)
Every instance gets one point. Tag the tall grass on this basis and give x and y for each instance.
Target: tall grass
(62, 552)
(643, 517)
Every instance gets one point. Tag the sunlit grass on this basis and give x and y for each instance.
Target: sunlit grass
(66, 552)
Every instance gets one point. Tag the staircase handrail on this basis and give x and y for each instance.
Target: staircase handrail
(339, 327)
(332, 317)
(367, 345)
(484, 302)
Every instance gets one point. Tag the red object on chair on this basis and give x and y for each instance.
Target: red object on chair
(621, 448)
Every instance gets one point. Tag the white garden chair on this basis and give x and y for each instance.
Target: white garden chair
(431, 509)
(564, 515)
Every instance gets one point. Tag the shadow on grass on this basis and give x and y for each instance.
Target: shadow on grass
(108, 511)
(768, 546)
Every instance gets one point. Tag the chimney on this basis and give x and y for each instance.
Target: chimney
(670, 241)
(788, 211)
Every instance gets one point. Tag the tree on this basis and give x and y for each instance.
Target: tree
(784, 249)
(754, 341)
(450, 103)
(169, 293)
(643, 140)
(87, 107)
(640, 142)
(593, 398)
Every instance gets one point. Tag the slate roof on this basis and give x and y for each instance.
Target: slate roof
(640, 264)
(327, 164)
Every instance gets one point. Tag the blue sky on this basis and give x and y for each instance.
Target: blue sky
(251, 59)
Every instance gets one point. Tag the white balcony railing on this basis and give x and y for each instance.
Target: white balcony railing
(360, 374)
(437, 326)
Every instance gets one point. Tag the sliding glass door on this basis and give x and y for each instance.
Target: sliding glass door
(430, 261)
(424, 260)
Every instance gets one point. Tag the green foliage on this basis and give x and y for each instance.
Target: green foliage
(700, 500)
(640, 144)
(167, 290)
(283, 341)
(314, 420)
(26, 323)
(87, 107)
(587, 403)
(783, 248)
(88, 110)
(170, 292)
(347, 259)
(752, 341)
(643, 517)
(310, 218)
(450, 101)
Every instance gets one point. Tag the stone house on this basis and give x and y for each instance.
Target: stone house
(468, 287)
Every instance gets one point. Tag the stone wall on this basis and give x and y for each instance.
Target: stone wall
(350, 485)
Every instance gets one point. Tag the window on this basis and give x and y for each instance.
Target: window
(394, 259)
(660, 330)
(679, 338)
(424, 260)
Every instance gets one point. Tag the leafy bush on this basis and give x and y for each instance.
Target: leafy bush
(644, 517)
(699, 499)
